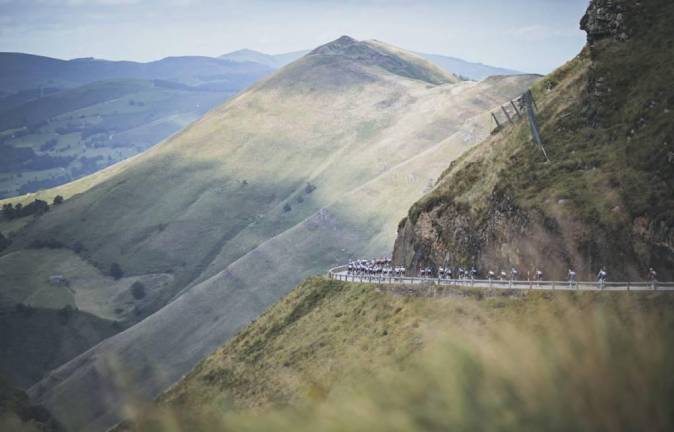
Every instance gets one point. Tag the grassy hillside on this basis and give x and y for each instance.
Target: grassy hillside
(34, 340)
(61, 120)
(65, 135)
(606, 197)
(339, 356)
(18, 414)
(306, 169)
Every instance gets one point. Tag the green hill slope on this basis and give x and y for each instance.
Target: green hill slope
(339, 356)
(61, 120)
(18, 414)
(606, 197)
(306, 169)
(65, 135)
(35, 340)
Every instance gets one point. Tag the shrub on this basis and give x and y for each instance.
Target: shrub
(116, 271)
(309, 188)
(58, 199)
(46, 244)
(4, 242)
(65, 313)
(78, 247)
(37, 207)
(287, 208)
(8, 211)
(25, 310)
(138, 290)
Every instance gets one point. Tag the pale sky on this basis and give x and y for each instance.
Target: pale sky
(528, 35)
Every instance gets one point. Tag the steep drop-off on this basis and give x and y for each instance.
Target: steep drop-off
(606, 198)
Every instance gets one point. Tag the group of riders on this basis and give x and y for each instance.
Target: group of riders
(382, 267)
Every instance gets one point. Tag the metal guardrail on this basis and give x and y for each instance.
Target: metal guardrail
(340, 273)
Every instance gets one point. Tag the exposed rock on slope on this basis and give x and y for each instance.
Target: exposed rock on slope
(607, 197)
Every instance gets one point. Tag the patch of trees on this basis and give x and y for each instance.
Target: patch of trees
(70, 128)
(24, 310)
(309, 188)
(23, 158)
(138, 290)
(50, 144)
(65, 313)
(58, 199)
(37, 207)
(116, 271)
(46, 244)
(13, 157)
(86, 133)
(88, 166)
(78, 247)
(4, 242)
(287, 207)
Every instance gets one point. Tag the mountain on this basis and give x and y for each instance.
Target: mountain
(606, 198)
(26, 71)
(453, 65)
(308, 168)
(272, 60)
(470, 70)
(61, 120)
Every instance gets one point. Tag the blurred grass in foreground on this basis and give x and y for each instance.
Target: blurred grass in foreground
(573, 363)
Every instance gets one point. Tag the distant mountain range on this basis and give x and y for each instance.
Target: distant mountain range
(459, 67)
(271, 60)
(20, 72)
(62, 119)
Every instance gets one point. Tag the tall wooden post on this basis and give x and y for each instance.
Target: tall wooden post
(507, 115)
(498, 125)
(516, 110)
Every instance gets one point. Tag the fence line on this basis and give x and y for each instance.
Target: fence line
(340, 273)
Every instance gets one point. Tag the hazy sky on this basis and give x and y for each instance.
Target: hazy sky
(529, 35)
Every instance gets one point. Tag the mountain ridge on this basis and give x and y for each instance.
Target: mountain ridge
(290, 176)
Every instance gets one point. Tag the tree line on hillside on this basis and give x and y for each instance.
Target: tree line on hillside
(37, 208)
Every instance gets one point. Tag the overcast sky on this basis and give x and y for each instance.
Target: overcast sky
(528, 35)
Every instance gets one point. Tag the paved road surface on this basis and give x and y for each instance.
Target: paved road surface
(340, 273)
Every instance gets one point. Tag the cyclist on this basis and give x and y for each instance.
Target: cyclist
(601, 277)
(572, 278)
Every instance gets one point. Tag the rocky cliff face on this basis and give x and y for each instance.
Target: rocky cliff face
(606, 19)
(607, 197)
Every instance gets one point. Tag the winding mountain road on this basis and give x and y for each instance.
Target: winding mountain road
(341, 273)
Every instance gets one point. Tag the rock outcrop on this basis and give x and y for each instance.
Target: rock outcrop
(607, 197)
(606, 18)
